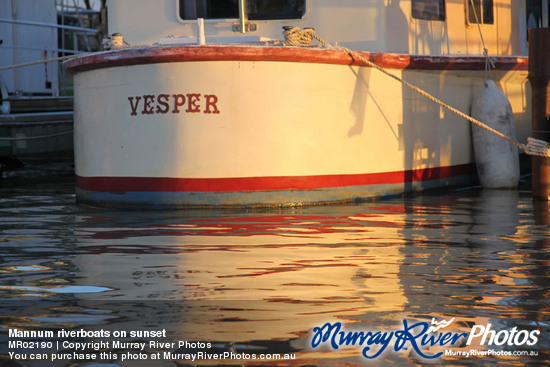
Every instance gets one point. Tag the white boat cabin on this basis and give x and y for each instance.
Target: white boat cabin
(21, 41)
(423, 27)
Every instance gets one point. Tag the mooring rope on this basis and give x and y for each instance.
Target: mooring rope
(294, 36)
(114, 42)
(37, 137)
(38, 62)
(537, 147)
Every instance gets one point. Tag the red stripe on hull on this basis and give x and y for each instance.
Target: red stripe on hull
(152, 55)
(170, 184)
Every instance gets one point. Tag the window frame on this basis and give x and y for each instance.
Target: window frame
(233, 20)
(444, 14)
(481, 16)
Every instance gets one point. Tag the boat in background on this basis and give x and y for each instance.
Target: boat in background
(36, 101)
(228, 113)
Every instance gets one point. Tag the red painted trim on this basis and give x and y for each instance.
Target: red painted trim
(169, 184)
(154, 55)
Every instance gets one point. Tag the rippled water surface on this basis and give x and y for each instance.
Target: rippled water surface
(260, 281)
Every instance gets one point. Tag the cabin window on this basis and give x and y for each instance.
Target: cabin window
(481, 12)
(428, 9)
(229, 9)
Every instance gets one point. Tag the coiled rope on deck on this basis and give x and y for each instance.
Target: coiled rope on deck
(294, 37)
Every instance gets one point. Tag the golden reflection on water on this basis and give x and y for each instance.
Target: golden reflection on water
(240, 277)
(279, 274)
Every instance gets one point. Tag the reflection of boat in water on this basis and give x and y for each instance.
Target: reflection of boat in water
(251, 279)
(243, 278)
(222, 118)
(369, 266)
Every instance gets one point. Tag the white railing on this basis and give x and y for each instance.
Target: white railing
(49, 25)
(74, 34)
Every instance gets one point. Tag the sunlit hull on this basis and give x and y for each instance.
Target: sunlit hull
(215, 126)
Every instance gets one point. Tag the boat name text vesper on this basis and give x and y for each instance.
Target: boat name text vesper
(150, 104)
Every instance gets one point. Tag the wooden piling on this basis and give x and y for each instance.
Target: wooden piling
(539, 78)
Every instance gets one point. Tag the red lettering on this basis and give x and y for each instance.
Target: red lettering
(192, 102)
(162, 103)
(179, 100)
(148, 100)
(134, 106)
(211, 101)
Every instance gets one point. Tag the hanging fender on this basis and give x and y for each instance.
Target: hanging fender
(497, 160)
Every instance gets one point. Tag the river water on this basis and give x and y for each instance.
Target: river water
(256, 284)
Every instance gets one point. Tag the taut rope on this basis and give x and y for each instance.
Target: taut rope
(38, 62)
(38, 137)
(294, 37)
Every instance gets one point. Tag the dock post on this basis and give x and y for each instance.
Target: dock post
(539, 78)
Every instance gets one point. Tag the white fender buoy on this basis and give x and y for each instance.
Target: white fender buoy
(497, 160)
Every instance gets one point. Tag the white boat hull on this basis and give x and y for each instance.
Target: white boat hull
(252, 126)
